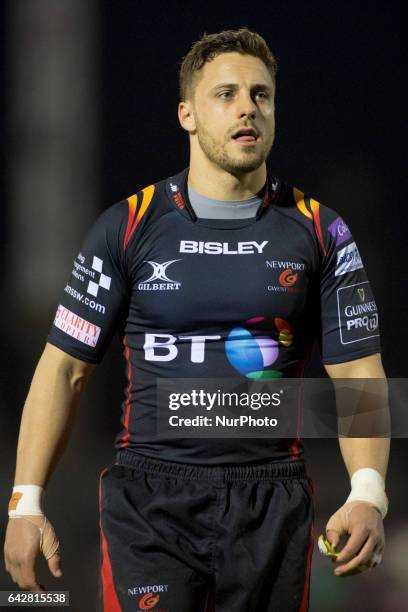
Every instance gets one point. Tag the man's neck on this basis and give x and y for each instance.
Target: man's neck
(213, 182)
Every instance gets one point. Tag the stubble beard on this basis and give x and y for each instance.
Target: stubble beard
(245, 161)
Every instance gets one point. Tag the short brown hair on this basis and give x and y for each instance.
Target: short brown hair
(209, 46)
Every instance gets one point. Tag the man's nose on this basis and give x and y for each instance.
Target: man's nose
(246, 105)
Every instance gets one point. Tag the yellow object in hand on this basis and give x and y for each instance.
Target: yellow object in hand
(326, 548)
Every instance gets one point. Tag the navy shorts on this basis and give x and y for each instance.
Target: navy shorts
(185, 538)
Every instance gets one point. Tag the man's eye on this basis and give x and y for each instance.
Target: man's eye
(262, 94)
(225, 94)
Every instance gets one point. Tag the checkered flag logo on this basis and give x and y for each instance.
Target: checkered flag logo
(104, 281)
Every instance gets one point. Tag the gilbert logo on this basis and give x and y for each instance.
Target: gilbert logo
(288, 278)
(148, 601)
(159, 274)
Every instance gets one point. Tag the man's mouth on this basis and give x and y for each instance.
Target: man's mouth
(249, 135)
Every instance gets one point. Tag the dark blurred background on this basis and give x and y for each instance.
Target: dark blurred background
(88, 117)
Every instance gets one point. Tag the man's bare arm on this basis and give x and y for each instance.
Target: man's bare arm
(47, 421)
(356, 518)
(49, 414)
(362, 452)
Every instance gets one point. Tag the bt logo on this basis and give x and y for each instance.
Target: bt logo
(252, 355)
(166, 343)
(249, 354)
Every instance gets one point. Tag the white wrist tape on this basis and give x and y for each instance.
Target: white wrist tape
(368, 485)
(26, 500)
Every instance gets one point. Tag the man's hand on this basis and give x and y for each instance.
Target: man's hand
(364, 547)
(25, 537)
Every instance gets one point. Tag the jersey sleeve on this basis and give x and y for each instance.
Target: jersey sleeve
(349, 326)
(96, 295)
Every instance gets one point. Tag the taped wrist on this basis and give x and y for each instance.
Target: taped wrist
(26, 500)
(368, 485)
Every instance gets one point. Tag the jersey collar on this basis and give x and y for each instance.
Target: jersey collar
(177, 192)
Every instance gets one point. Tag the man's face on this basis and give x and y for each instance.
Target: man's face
(235, 92)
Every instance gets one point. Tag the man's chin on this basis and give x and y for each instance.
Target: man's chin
(243, 166)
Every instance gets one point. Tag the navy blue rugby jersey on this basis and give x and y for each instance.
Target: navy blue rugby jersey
(203, 298)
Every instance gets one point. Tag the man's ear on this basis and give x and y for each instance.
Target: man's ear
(186, 116)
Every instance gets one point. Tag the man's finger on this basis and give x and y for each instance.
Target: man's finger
(333, 537)
(33, 588)
(28, 580)
(362, 559)
(14, 571)
(24, 574)
(375, 558)
(54, 564)
(353, 546)
(26, 583)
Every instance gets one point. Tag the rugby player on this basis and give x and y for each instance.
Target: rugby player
(195, 274)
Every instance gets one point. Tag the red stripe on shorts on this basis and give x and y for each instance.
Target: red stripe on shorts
(305, 599)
